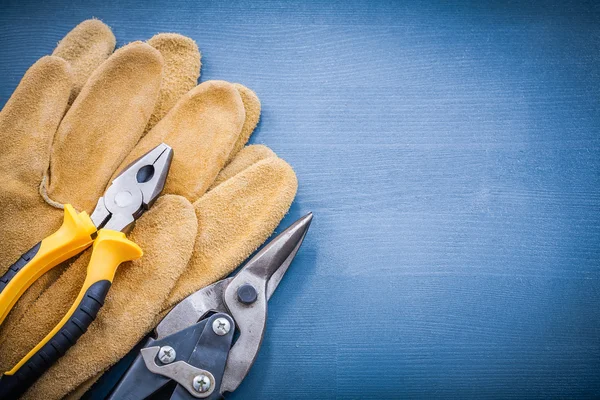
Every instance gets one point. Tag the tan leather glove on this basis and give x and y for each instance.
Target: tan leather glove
(221, 228)
(70, 157)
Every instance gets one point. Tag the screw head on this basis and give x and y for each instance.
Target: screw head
(221, 326)
(247, 294)
(201, 383)
(166, 354)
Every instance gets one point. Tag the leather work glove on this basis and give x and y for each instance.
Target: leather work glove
(220, 201)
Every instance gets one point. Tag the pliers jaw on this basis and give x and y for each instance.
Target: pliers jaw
(134, 190)
(200, 344)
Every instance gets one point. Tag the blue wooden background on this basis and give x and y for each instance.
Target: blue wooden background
(450, 154)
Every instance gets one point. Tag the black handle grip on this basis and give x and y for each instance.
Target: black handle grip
(16, 267)
(13, 386)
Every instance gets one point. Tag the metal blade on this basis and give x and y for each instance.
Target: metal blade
(278, 274)
(276, 256)
(191, 309)
(250, 312)
(195, 306)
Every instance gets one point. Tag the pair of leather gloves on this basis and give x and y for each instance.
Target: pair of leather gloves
(76, 119)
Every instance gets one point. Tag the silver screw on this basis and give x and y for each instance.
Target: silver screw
(166, 354)
(201, 383)
(221, 326)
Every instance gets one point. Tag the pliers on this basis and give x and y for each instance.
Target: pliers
(194, 343)
(131, 193)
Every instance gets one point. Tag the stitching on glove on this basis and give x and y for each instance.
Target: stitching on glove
(44, 193)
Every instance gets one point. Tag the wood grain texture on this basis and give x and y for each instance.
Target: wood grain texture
(450, 154)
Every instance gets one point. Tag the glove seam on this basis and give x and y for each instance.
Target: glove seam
(43, 190)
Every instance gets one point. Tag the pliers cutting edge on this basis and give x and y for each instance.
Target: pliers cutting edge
(195, 344)
(131, 193)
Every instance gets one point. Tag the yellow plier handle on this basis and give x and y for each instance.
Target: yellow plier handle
(110, 249)
(70, 239)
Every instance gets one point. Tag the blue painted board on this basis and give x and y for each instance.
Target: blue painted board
(450, 153)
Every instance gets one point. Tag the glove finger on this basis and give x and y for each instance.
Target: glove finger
(246, 157)
(85, 47)
(30, 118)
(252, 108)
(104, 123)
(182, 62)
(201, 128)
(138, 292)
(234, 219)
(27, 125)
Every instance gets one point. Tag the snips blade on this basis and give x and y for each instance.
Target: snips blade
(263, 272)
(134, 190)
(260, 276)
(281, 251)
